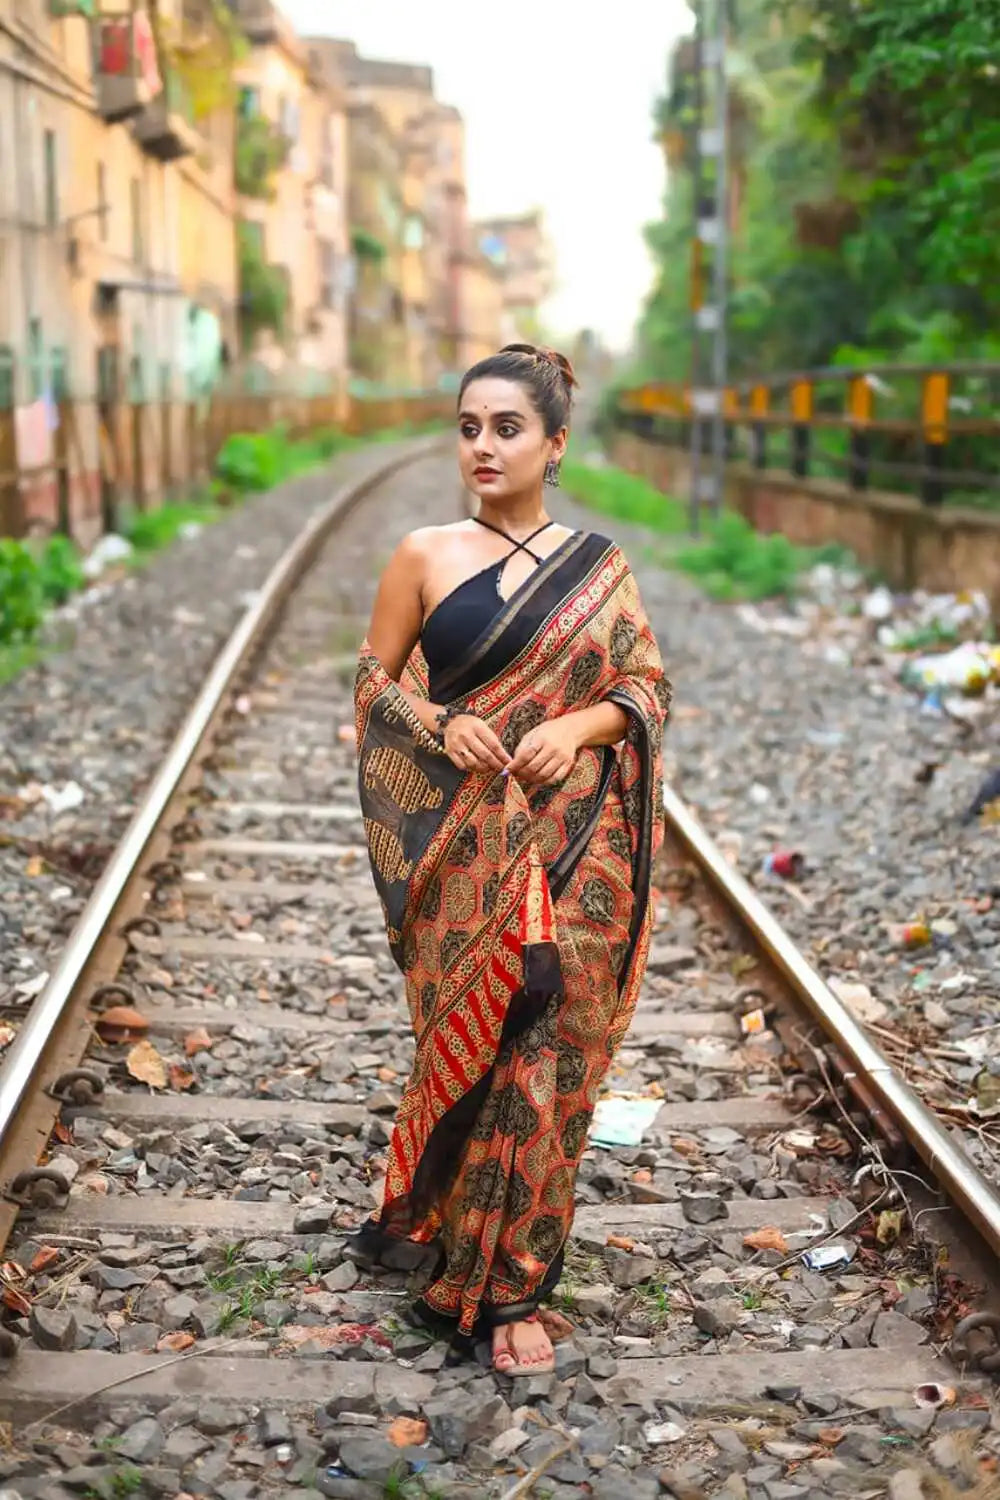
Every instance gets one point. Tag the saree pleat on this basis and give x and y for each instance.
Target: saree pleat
(520, 920)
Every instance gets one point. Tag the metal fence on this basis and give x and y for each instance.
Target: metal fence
(929, 431)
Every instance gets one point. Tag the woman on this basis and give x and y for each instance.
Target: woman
(511, 846)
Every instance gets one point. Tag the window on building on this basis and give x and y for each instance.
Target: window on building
(51, 168)
(102, 200)
(328, 274)
(135, 209)
(288, 118)
(36, 359)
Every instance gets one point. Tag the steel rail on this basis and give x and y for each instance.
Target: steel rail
(21, 1063)
(952, 1169)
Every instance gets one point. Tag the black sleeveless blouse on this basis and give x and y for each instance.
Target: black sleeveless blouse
(466, 612)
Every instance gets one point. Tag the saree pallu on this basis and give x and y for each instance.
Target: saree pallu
(520, 919)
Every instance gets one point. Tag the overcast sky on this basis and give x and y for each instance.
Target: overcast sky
(556, 98)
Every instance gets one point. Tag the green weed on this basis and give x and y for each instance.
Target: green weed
(733, 561)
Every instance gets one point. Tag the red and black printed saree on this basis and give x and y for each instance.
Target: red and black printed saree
(520, 919)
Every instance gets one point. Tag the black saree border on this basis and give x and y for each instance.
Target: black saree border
(524, 615)
(642, 858)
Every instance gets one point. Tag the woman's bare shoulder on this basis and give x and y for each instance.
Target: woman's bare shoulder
(429, 539)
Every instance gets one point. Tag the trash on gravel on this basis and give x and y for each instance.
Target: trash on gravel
(825, 1257)
(968, 668)
(64, 799)
(664, 1432)
(621, 1119)
(109, 550)
(910, 934)
(786, 864)
(753, 1023)
(931, 1396)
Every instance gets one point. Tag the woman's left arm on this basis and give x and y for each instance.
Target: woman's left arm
(547, 754)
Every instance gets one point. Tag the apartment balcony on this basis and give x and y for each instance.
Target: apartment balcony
(165, 128)
(126, 72)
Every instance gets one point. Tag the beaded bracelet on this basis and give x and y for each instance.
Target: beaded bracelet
(444, 718)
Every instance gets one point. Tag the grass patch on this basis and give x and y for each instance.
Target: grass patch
(624, 497)
(732, 561)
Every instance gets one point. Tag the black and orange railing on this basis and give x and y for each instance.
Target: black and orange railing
(932, 431)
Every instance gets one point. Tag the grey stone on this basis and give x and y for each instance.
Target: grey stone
(184, 1445)
(138, 1338)
(215, 1418)
(730, 1445)
(915, 1421)
(596, 1301)
(273, 1427)
(602, 1367)
(370, 1455)
(703, 1208)
(586, 1392)
(177, 1311)
(53, 1327)
(963, 1419)
(630, 1270)
(718, 1318)
(893, 1331)
(600, 1439)
(142, 1442)
(342, 1278)
(616, 1483)
(312, 1220)
(115, 1279)
(570, 1361)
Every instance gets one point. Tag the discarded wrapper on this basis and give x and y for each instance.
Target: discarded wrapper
(825, 1257)
(753, 1023)
(932, 1395)
(619, 1120)
(786, 863)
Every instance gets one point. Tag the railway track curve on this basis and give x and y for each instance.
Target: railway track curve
(208, 1081)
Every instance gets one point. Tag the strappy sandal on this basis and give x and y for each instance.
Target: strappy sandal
(540, 1367)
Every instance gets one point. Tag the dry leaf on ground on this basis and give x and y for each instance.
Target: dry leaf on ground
(175, 1343)
(198, 1041)
(145, 1064)
(768, 1238)
(620, 1242)
(407, 1432)
(47, 1256)
(121, 1023)
(181, 1078)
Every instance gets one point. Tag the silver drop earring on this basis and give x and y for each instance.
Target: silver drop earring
(552, 473)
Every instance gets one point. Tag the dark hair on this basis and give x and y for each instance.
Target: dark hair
(546, 375)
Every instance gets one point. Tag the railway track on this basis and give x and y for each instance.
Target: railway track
(210, 1078)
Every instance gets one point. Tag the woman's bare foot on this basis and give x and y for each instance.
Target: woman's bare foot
(522, 1346)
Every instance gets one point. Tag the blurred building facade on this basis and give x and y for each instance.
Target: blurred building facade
(193, 191)
(520, 248)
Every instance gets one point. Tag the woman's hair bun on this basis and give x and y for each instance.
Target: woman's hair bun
(545, 356)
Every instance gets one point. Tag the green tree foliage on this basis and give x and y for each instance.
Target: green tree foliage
(866, 161)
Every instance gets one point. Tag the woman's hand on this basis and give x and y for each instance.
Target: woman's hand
(471, 745)
(547, 754)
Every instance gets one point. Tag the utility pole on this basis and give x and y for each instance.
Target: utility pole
(710, 357)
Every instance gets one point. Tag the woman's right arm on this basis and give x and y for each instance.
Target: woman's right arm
(396, 622)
